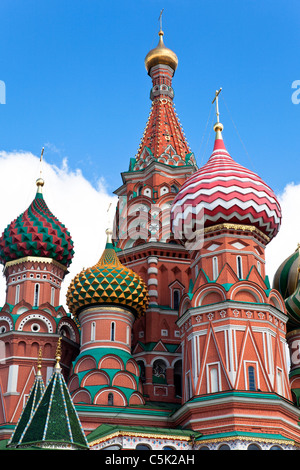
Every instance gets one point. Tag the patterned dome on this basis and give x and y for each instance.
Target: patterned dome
(108, 282)
(222, 191)
(287, 282)
(287, 275)
(36, 232)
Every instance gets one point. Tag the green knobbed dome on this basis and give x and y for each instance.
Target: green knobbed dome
(108, 282)
(36, 232)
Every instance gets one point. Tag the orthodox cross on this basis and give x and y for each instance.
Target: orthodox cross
(160, 19)
(216, 99)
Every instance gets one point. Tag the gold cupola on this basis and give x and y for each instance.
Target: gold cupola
(161, 55)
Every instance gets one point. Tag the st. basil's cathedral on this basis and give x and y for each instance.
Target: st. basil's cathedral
(175, 338)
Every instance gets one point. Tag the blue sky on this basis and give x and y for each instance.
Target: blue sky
(76, 82)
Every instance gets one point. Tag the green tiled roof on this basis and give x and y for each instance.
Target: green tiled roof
(33, 399)
(106, 429)
(55, 422)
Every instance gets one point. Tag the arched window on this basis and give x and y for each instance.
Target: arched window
(142, 371)
(251, 378)
(36, 295)
(253, 447)
(139, 190)
(159, 372)
(215, 268)
(174, 188)
(178, 378)
(176, 299)
(17, 297)
(239, 267)
(143, 447)
(112, 331)
(224, 447)
(110, 399)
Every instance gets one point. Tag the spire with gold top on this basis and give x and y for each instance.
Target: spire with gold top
(163, 139)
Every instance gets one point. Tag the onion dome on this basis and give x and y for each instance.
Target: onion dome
(36, 232)
(287, 275)
(108, 282)
(287, 282)
(161, 55)
(223, 191)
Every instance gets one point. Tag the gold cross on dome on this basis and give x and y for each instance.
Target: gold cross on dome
(160, 19)
(216, 99)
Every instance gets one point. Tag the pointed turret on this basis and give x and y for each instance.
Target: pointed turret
(163, 140)
(32, 402)
(54, 423)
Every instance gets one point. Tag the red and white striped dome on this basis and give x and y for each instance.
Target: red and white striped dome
(222, 191)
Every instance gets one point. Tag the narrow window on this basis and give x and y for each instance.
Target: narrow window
(239, 267)
(112, 331)
(215, 268)
(176, 298)
(214, 382)
(36, 295)
(52, 295)
(258, 267)
(110, 399)
(93, 331)
(279, 382)
(17, 298)
(251, 378)
(128, 335)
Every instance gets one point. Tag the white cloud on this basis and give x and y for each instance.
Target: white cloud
(286, 241)
(82, 208)
(71, 198)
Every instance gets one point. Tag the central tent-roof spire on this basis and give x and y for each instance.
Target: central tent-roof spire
(163, 140)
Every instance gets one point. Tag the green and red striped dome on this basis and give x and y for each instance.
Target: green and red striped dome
(36, 232)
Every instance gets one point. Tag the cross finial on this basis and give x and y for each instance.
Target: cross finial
(216, 99)
(160, 20)
(40, 181)
(39, 364)
(58, 353)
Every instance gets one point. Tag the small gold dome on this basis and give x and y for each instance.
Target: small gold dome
(161, 55)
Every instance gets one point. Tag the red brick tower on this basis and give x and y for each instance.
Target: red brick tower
(162, 164)
(36, 250)
(232, 324)
(106, 298)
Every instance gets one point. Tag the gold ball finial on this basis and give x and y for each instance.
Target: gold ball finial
(218, 127)
(58, 354)
(109, 234)
(40, 183)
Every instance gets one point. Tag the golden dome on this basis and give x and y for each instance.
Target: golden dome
(161, 55)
